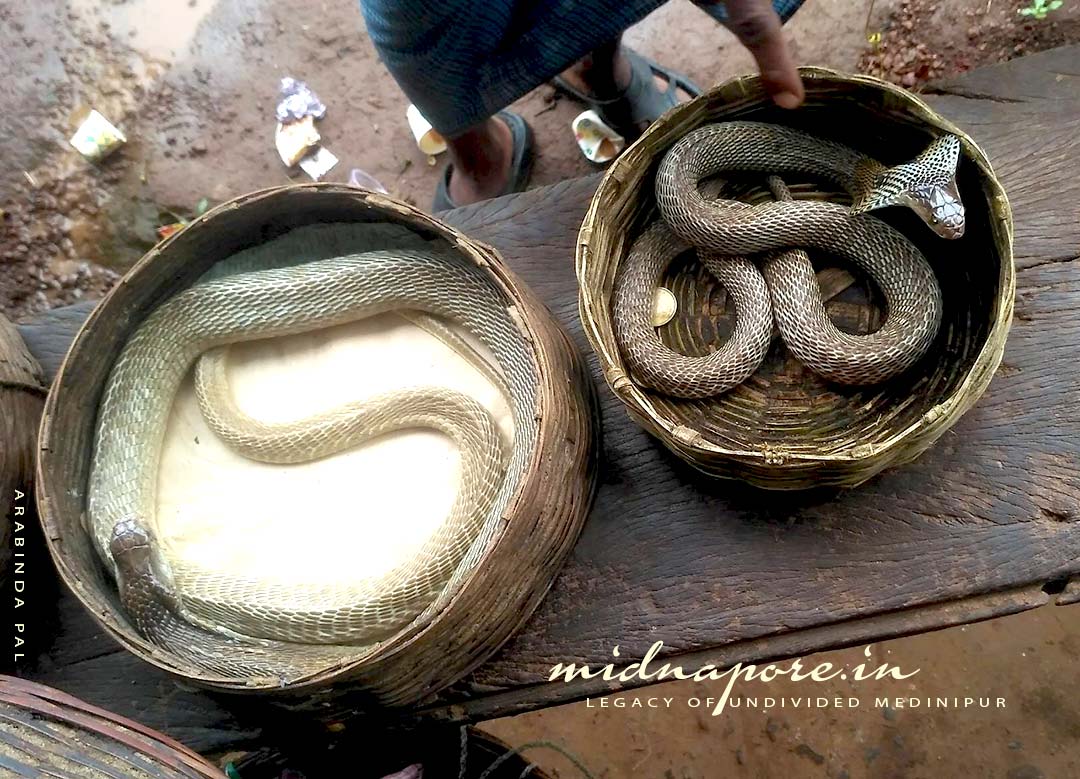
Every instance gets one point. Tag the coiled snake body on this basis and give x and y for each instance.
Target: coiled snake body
(177, 607)
(726, 232)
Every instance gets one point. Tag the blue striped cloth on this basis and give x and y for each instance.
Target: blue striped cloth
(461, 61)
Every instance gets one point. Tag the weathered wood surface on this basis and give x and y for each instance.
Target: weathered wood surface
(22, 396)
(986, 523)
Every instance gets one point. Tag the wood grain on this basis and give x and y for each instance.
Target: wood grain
(986, 523)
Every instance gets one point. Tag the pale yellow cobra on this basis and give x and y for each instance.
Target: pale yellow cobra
(301, 286)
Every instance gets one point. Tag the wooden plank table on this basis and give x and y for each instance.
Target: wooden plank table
(985, 524)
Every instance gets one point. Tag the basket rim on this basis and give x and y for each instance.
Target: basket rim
(40, 698)
(977, 376)
(106, 615)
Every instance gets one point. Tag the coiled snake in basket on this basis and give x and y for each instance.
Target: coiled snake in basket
(785, 289)
(175, 604)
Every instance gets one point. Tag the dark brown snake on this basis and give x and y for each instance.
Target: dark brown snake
(727, 233)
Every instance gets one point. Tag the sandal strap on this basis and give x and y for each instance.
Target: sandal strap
(641, 100)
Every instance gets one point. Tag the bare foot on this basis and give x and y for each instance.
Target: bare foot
(605, 74)
(482, 159)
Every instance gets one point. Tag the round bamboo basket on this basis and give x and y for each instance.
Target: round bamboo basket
(491, 600)
(45, 732)
(22, 396)
(785, 428)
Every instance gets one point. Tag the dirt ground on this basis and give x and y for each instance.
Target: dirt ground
(193, 85)
(1030, 660)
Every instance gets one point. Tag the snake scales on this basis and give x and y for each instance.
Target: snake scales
(240, 628)
(785, 289)
(302, 282)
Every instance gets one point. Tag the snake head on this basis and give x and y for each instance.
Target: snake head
(131, 546)
(137, 575)
(940, 207)
(926, 185)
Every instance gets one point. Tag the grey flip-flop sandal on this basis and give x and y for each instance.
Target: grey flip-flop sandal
(520, 164)
(641, 102)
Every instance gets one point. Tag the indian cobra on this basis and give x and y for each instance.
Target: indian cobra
(230, 625)
(785, 289)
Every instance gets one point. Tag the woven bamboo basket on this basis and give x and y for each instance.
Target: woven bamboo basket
(45, 732)
(492, 599)
(785, 428)
(22, 396)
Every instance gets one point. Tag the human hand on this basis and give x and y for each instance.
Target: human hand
(758, 27)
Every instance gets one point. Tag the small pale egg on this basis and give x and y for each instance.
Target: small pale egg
(664, 307)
